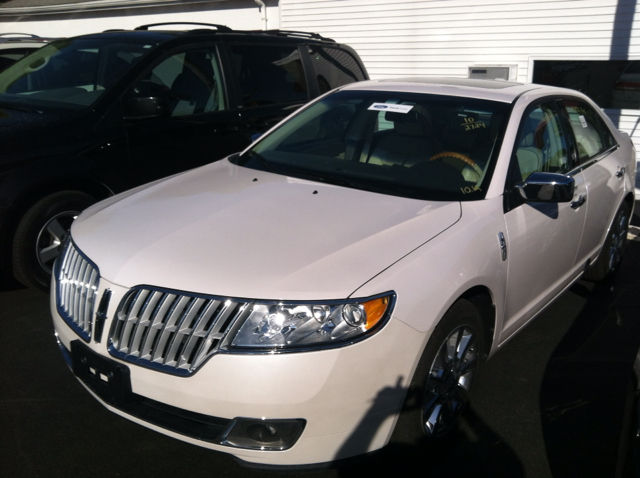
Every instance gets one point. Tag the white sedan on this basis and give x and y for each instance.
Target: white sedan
(337, 285)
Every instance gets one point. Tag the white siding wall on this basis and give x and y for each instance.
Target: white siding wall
(55, 21)
(446, 37)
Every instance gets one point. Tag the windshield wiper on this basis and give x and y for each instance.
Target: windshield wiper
(262, 161)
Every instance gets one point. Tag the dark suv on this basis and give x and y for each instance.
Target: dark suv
(84, 118)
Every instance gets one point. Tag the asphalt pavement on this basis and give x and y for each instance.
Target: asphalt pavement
(556, 401)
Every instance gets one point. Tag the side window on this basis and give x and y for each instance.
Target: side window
(592, 135)
(268, 74)
(541, 145)
(334, 67)
(190, 80)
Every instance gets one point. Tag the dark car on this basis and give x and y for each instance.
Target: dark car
(86, 117)
(14, 46)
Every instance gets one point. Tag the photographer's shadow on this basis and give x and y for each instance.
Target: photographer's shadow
(470, 449)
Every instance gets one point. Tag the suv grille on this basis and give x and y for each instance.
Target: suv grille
(172, 331)
(76, 288)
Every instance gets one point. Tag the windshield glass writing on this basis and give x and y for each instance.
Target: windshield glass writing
(410, 145)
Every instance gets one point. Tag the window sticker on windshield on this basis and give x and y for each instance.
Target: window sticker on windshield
(390, 107)
(583, 121)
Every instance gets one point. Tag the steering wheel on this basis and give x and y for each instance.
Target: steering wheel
(460, 157)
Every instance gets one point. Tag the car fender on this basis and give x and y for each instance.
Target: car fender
(431, 278)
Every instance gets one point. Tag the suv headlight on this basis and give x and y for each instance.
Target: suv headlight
(311, 325)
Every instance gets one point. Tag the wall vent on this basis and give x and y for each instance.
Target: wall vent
(490, 72)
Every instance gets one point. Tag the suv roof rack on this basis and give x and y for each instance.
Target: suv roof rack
(292, 33)
(221, 28)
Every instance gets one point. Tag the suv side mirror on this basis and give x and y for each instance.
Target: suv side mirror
(547, 187)
(146, 107)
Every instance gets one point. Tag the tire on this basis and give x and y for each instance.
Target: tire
(441, 383)
(612, 251)
(41, 233)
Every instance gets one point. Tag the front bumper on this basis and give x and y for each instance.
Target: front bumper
(348, 397)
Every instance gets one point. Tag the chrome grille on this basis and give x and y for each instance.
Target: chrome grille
(76, 287)
(172, 331)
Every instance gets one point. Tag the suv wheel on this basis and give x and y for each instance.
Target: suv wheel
(41, 233)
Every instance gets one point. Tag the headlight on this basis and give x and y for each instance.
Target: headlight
(310, 325)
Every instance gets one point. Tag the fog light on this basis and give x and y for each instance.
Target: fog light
(258, 434)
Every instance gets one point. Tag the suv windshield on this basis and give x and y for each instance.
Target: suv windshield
(411, 145)
(67, 75)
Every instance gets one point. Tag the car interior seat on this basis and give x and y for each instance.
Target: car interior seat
(408, 142)
(194, 87)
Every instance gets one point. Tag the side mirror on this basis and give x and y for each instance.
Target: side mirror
(547, 187)
(146, 107)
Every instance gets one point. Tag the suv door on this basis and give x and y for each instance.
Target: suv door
(543, 238)
(191, 125)
(603, 167)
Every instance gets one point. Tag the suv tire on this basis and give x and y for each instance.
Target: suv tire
(41, 234)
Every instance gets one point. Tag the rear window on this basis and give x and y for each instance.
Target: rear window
(334, 67)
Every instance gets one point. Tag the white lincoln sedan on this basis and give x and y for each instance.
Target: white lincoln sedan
(338, 284)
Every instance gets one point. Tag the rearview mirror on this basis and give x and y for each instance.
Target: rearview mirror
(547, 187)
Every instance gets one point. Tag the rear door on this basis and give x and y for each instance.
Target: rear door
(267, 82)
(603, 168)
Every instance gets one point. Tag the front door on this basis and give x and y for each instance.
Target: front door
(198, 129)
(543, 238)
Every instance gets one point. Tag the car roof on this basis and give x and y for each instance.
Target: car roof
(23, 39)
(162, 32)
(496, 90)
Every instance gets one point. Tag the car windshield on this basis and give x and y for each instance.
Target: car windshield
(410, 145)
(67, 75)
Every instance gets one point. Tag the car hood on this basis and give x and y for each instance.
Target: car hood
(232, 231)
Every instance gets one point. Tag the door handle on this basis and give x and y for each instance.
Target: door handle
(621, 172)
(581, 200)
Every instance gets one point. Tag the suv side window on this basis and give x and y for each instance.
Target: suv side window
(541, 145)
(268, 74)
(592, 135)
(191, 80)
(334, 67)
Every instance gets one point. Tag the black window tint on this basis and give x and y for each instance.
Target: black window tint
(334, 67)
(268, 74)
(592, 135)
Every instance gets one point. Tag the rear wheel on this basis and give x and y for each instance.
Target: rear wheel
(612, 251)
(445, 374)
(41, 234)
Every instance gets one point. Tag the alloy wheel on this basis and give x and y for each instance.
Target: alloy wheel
(449, 381)
(618, 240)
(51, 238)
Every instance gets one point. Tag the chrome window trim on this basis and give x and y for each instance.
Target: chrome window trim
(593, 160)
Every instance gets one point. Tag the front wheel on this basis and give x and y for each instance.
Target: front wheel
(41, 233)
(445, 374)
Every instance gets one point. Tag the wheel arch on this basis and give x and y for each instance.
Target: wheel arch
(36, 192)
(482, 298)
(630, 199)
